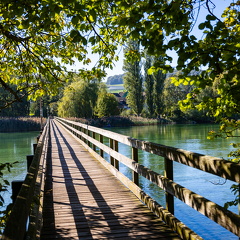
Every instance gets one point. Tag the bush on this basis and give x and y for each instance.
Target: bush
(21, 124)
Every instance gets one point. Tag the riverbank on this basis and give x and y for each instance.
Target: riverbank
(21, 124)
(118, 121)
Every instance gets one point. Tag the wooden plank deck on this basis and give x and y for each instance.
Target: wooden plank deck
(83, 200)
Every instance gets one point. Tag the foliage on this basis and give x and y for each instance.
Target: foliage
(39, 37)
(17, 108)
(219, 52)
(158, 85)
(172, 94)
(106, 106)
(79, 99)
(48, 104)
(154, 85)
(127, 112)
(149, 82)
(133, 81)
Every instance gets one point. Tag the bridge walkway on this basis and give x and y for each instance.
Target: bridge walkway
(83, 200)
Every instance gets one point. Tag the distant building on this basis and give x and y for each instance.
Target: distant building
(121, 98)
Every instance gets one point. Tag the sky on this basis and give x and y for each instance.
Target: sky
(220, 5)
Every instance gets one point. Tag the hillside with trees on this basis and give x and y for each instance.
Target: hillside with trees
(116, 79)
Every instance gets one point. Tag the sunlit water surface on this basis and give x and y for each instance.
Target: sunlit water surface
(15, 147)
(191, 138)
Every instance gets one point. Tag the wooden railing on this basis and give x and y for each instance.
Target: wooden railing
(228, 170)
(25, 219)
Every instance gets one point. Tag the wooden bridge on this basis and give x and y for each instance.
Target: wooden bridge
(72, 192)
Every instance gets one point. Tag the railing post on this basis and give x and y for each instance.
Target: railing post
(111, 146)
(115, 147)
(84, 131)
(239, 200)
(94, 137)
(135, 177)
(88, 133)
(101, 141)
(16, 186)
(169, 175)
(34, 147)
(80, 129)
(29, 160)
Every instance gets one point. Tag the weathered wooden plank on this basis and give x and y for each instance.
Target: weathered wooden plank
(217, 166)
(223, 217)
(178, 226)
(87, 206)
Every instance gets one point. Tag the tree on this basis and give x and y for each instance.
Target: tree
(149, 82)
(133, 81)
(107, 105)
(159, 80)
(154, 84)
(79, 99)
(39, 37)
(16, 109)
(116, 79)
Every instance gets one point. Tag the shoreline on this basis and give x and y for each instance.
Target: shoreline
(20, 124)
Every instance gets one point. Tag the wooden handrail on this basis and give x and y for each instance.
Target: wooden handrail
(219, 167)
(17, 223)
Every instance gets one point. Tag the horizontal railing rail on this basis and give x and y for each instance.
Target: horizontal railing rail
(24, 220)
(228, 170)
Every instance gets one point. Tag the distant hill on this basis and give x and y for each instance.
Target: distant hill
(116, 79)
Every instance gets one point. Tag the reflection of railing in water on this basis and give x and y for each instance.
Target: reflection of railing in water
(228, 170)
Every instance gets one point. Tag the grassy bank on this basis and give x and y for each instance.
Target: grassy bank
(118, 121)
(21, 124)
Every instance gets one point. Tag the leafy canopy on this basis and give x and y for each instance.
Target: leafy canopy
(38, 37)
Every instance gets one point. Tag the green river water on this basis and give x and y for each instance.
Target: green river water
(15, 147)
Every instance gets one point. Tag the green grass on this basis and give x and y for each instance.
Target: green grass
(116, 85)
(116, 88)
(115, 91)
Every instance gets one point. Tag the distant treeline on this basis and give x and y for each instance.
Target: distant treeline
(21, 124)
(116, 79)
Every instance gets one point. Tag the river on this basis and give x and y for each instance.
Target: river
(193, 138)
(15, 147)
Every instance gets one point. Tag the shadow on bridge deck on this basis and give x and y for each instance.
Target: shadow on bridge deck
(83, 200)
